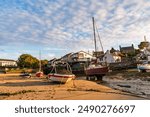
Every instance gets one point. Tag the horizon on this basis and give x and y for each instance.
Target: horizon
(57, 27)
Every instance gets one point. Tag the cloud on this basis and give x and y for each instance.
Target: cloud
(67, 26)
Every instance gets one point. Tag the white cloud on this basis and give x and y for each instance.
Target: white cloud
(68, 25)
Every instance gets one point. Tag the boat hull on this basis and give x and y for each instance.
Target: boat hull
(60, 78)
(142, 67)
(39, 74)
(96, 71)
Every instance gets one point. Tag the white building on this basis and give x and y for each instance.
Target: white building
(81, 56)
(67, 57)
(8, 63)
(111, 57)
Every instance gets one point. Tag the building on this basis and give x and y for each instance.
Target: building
(81, 56)
(8, 63)
(111, 57)
(67, 57)
(98, 53)
(128, 49)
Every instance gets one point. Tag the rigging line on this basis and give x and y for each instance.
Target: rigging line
(99, 39)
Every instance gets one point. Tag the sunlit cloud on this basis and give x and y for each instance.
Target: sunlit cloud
(59, 27)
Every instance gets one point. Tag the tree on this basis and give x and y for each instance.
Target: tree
(143, 45)
(27, 61)
(44, 62)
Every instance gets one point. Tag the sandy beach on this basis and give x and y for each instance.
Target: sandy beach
(21, 88)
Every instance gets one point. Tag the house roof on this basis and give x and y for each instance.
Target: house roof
(83, 52)
(67, 55)
(128, 48)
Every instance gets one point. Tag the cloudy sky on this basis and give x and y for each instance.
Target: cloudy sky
(57, 27)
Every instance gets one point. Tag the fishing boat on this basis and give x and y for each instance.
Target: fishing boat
(95, 69)
(61, 73)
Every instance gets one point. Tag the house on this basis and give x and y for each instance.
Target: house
(8, 63)
(111, 57)
(98, 53)
(81, 56)
(128, 49)
(67, 57)
(143, 55)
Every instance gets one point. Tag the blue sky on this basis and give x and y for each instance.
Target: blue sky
(57, 27)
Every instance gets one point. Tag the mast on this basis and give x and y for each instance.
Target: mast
(145, 38)
(40, 61)
(94, 34)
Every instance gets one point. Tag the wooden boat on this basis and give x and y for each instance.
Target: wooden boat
(63, 76)
(96, 70)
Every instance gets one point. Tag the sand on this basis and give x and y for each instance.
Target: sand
(21, 88)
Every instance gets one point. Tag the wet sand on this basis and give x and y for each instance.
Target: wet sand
(21, 88)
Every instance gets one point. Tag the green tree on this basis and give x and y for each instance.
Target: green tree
(44, 62)
(27, 61)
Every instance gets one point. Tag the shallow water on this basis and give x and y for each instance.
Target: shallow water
(135, 86)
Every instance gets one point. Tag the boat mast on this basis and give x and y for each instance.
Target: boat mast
(145, 38)
(94, 35)
(40, 61)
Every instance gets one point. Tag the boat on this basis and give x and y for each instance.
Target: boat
(26, 75)
(96, 70)
(61, 72)
(39, 73)
(62, 78)
(144, 67)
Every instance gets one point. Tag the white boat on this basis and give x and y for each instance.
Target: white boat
(62, 78)
(143, 67)
(64, 75)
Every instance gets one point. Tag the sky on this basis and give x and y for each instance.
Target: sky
(57, 27)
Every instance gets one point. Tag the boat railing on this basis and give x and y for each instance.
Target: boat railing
(63, 64)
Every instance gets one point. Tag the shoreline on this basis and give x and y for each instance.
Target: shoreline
(20, 88)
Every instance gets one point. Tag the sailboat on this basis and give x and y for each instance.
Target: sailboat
(95, 69)
(39, 73)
